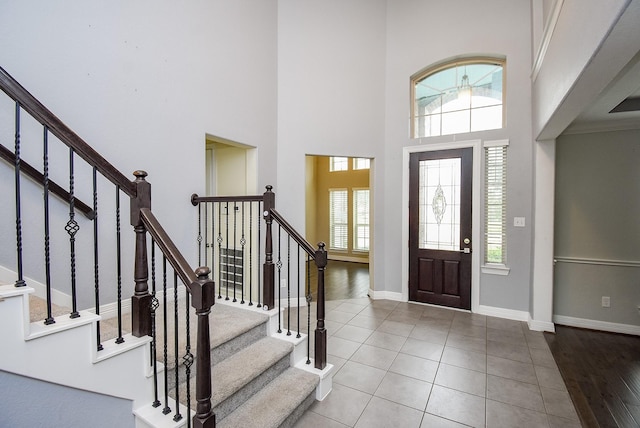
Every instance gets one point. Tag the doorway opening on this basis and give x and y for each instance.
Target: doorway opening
(338, 210)
(231, 167)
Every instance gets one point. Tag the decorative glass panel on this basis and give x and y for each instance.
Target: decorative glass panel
(439, 204)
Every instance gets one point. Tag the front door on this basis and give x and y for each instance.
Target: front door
(440, 227)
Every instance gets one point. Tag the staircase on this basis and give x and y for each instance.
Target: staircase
(206, 362)
(258, 379)
(255, 380)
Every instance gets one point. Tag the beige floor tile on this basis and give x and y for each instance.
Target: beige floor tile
(381, 413)
(458, 406)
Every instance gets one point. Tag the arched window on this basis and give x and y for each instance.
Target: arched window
(459, 96)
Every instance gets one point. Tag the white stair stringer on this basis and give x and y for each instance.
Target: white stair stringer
(65, 352)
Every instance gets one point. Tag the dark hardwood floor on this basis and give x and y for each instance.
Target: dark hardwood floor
(602, 374)
(342, 280)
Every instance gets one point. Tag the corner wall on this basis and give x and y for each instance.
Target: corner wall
(596, 227)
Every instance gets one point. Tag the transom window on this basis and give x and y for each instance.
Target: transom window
(338, 164)
(458, 97)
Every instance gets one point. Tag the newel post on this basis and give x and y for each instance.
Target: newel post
(203, 298)
(321, 332)
(269, 202)
(141, 299)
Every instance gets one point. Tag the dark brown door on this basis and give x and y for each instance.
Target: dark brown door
(440, 227)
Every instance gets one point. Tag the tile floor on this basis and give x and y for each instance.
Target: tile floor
(406, 365)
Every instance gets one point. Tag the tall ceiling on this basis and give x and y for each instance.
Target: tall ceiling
(598, 116)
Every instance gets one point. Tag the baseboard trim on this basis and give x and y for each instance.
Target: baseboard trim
(353, 259)
(597, 325)
(57, 297)
(386, 295)
(511, 314)
(538, 325)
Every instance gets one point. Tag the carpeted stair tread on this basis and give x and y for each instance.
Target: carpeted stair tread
(228, 322)
(241, 375)
(230, 375)
(274, 404)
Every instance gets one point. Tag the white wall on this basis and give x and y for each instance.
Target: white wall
(420, 34)
(59, 405)
(144, 81)
(331, 65)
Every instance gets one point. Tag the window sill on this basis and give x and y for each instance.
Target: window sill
(495, 269)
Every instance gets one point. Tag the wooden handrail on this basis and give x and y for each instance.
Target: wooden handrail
(195, 199)
(169, 249)
(43, 115)
(37, 176)
(306, 246)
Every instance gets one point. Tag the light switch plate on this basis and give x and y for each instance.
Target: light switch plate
(518, 222)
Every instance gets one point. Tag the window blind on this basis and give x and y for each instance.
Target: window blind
(338, 219)
(361, 219)
(495, 204)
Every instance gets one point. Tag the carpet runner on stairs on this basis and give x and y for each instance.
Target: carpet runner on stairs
(253, 383)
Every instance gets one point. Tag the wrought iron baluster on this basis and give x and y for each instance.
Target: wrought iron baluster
(209, 206)
(219, 250)
(233, 257)
(20, 282)
(188, 359)
(258, 220)
(47, 254)
(250, 253)
(206, 232)
(288, 285)
(119, 339)
(199, 239)
(72, 228)
(154, 340)
(226, 283)
(298, 293)
(242, 245)
(96, 272)
(176, 334)
(308, 309)
(279, 266)
(166, 409)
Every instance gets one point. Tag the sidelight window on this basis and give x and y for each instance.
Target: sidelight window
(495, 210)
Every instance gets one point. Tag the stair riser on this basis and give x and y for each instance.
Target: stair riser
(234, 345)
(230, 404)
(218, 354)
(299, 411)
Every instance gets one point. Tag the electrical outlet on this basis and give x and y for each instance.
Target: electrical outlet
(283, 283)
(606, 301)
(518, 221)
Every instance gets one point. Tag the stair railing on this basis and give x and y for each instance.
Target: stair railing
(143, 303)
(230, 235)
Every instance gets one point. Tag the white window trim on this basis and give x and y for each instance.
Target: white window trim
(495, 268)
(338, 249)
(354, 225)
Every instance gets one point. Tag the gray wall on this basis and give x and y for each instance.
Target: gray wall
(597, 218)
(32, 403)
